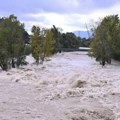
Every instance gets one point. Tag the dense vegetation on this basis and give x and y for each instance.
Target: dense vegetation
(43, 43)
(11, 43)
(106, 40)
(16, 43)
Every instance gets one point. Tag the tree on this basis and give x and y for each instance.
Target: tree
(106, 39)
(26, 37)
(49, 44)
(36, 43)
(57, 37)
(43, 43)
(69, 40)
(11, 42)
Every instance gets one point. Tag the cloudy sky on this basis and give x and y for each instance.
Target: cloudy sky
(70, 15)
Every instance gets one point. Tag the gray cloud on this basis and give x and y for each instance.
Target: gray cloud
(68, 14)
(58, 6)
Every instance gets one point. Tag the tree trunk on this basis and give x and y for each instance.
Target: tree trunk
(13, 63)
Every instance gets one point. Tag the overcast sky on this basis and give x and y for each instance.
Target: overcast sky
(70, 15)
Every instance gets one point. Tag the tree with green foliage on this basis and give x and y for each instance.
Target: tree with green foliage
(49, 44)
(57, 37)
(26, 37)
(69, 40)
(36, 43)
(28, 49)
(84, 42)
(106, 39)
(11, 42)
(43, 43)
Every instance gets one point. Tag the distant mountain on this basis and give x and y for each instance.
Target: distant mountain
(83, 34)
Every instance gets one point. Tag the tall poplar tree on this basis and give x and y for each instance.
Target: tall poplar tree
(11, 42)
(43, 43)
(106, 39)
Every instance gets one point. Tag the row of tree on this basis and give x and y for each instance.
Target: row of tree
(16, 43)
(105, 43)
(46, 42)
(106, 40)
